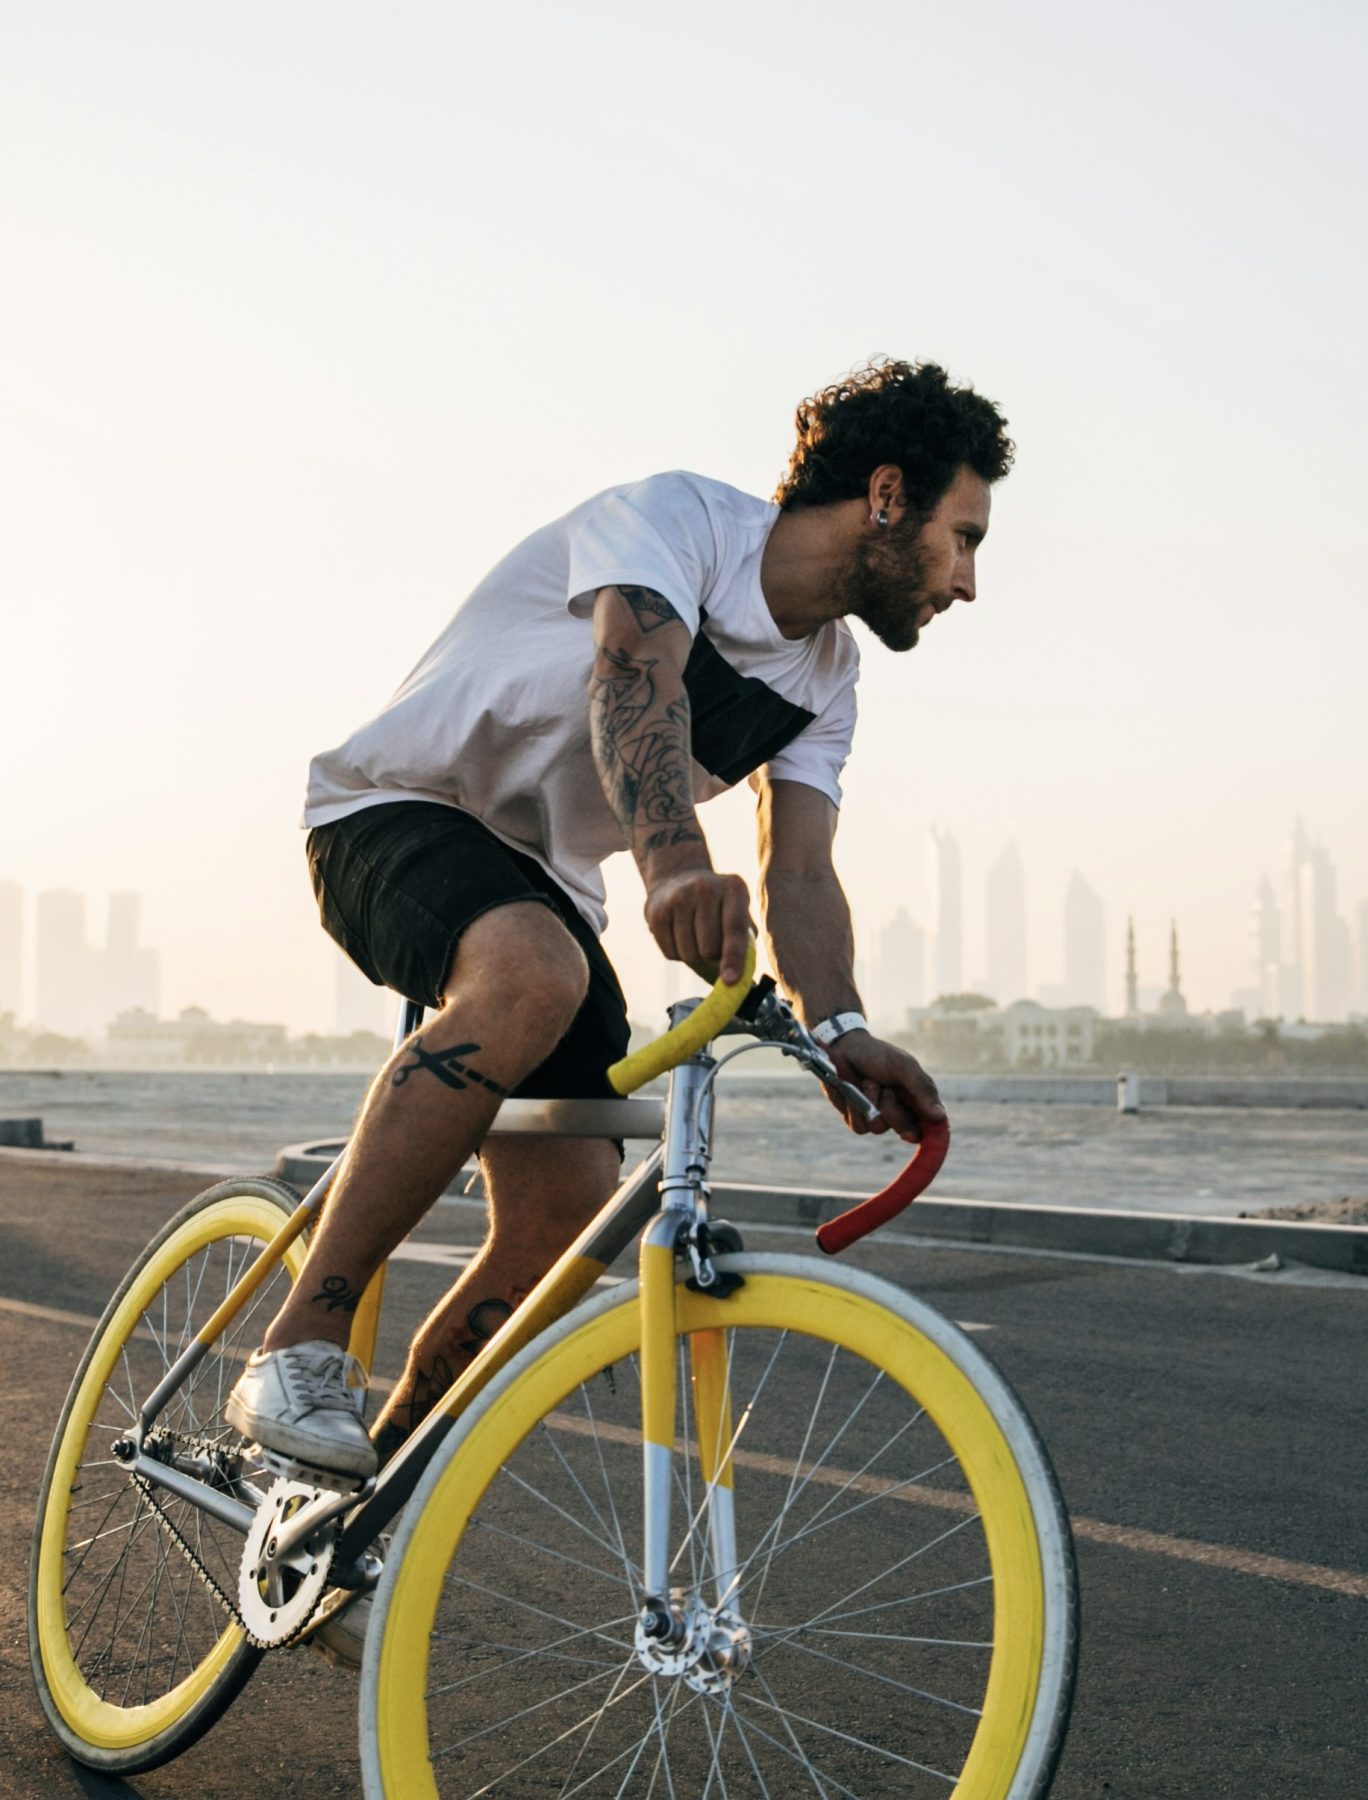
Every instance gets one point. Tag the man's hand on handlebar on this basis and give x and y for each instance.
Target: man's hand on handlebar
(896, 1082)
(703, 919)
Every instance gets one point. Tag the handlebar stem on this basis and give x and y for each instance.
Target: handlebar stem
(688, 1132)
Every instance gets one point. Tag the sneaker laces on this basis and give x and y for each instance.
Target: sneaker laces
(320, 1380)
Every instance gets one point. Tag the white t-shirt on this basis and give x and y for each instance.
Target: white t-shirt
(494, 719)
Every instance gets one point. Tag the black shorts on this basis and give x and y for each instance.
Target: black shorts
(398, 883)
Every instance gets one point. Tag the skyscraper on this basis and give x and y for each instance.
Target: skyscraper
(899, 970)
(130, 975)
(1295, 851)
(1085, 945)
(1005, 893)
(947, 916)
(1265, 949)
(66, 998)
(11, 946)
(1325, 954)
(1316, 953)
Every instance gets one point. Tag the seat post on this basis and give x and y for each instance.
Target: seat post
(410, 1018)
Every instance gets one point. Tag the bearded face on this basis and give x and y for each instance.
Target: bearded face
(891, 585)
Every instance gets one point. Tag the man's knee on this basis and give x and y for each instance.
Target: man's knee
(525, 958)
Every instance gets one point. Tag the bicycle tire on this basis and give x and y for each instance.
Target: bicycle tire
(133, 1657)
(502, 1664)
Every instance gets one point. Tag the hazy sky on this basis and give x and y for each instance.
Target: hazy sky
(310, 311)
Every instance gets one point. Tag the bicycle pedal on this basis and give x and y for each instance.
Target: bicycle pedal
(289, 1468)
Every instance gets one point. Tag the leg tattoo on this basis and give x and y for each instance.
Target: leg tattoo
(427, 1386)
(338, 1295)
(448, 1067)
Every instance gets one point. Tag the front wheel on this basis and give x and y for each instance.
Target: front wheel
(901, 1617)
(133, 1654)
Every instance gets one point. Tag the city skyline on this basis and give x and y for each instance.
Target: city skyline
(1309, 961)
(1312, 943)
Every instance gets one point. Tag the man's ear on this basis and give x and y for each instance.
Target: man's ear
(885, 488)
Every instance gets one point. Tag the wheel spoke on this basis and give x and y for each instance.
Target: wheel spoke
(830, 1612)
(570, 1519)
(539, 1549)
(797, 1753)
(858, 1743)
(570, 1773)
(515, 1654)
(611, 1538)
(527, 1712)
(795, 1642)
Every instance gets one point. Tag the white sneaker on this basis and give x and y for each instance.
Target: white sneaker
(305, 1402)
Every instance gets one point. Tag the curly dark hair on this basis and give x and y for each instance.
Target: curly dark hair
(907, 414)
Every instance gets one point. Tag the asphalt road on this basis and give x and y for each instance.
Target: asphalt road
(1210, 1433)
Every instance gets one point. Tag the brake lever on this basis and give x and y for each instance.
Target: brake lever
(853, 1096)
(765, 1014)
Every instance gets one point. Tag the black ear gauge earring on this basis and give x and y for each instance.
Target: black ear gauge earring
(881, 518)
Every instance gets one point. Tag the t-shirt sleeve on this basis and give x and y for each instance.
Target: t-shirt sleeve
(818, 753)
(655, 534)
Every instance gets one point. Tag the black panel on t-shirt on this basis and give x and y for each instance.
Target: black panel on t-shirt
(738, 723)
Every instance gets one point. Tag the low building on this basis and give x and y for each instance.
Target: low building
(1047, 1036)
(138, 1039)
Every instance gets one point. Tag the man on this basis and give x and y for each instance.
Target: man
(660, 643)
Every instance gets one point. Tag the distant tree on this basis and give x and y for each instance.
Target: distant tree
(50, 1047)
(963, 1003)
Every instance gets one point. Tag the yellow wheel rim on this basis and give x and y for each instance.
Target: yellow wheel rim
(781, 1302)
(99, 1722)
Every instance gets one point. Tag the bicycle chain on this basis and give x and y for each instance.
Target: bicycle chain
(149, 1493)
(225, 1601)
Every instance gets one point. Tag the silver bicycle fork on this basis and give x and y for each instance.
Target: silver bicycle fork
(680, 1632)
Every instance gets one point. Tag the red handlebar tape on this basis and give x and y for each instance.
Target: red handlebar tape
(841, 1232)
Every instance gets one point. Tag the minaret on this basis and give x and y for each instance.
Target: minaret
(1132, 980)
(1173, 1004)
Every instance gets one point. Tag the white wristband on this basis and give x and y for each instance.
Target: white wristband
(828, 1030)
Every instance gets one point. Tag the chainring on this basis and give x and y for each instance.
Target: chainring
(275, 1603)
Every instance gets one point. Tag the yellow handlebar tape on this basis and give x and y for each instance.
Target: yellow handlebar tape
(683, 1040)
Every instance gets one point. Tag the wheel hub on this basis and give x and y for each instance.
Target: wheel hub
(277, 1599)
(709, 1648)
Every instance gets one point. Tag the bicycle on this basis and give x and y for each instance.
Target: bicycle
(749, 1524)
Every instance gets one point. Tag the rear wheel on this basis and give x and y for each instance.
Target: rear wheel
(133, 1654)
(900, 1619)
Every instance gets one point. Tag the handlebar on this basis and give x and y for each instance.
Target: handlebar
(682, 1041)
(841, 1232)
(766, 1015)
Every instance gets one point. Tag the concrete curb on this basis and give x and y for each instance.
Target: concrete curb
(1086, 1230)
(1271, 1093)
(1096, 1231)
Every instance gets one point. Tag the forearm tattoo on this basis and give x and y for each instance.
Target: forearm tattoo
(640, 740)
(448, 1066)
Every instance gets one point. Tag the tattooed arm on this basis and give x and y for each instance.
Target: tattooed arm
(639, 721)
